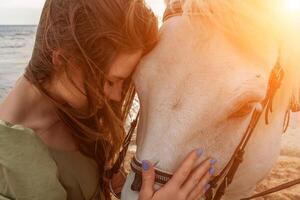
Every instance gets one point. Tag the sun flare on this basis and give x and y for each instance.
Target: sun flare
(292, 6)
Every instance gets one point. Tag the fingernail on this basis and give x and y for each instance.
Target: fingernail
(145, 165)
(213, 161)
(207, 186)
(211, 170)
(199, 152)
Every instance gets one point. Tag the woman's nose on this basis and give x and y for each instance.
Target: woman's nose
(116, 95)
(113, 92)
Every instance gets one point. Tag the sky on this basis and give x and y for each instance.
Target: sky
(18, 12)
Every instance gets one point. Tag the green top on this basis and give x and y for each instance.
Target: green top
(29, 170)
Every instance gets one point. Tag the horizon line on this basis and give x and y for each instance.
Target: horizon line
(18, 24)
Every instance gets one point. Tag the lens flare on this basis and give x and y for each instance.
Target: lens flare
(292, 6)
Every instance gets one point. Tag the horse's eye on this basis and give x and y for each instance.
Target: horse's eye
(243, 110)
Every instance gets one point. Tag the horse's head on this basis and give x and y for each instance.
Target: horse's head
(200, 85)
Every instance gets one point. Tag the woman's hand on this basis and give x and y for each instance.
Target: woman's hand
(187, 183)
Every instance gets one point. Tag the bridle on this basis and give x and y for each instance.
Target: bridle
(219, 183)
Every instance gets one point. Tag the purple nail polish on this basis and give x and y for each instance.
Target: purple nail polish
(145, 165)
(199, 152)
(213, 161)
(211, 170)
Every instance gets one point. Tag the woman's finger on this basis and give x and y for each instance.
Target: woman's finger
(185, 169)
(200, 188)
(148, 178)
(198, 174)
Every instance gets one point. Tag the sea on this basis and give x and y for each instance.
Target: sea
(16, 44)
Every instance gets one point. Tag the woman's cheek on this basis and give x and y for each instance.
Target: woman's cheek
(114, 91)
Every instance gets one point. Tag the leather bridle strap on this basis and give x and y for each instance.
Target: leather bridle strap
(161, 177)
(275, 189)
(237, 157)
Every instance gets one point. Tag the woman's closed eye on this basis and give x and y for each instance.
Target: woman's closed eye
(114, 82)
(113, 89)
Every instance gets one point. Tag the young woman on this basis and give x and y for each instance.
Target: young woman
(61, 125)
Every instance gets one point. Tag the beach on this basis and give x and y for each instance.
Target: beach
(16, 44)
(287, 167)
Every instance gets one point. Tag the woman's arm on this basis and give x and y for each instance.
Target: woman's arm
(4, 193)
(3, 197)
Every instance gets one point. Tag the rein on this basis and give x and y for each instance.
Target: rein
(227, 174)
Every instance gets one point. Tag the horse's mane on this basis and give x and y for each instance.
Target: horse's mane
(253, 24)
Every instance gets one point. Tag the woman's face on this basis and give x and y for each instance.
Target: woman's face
(119, 71)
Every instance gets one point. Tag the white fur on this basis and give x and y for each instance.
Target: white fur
(188, 85)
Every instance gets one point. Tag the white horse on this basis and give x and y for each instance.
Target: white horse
(200, 84)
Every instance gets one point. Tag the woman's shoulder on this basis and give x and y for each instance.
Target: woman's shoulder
(26, 164)
(14, 131)
(19, 142)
